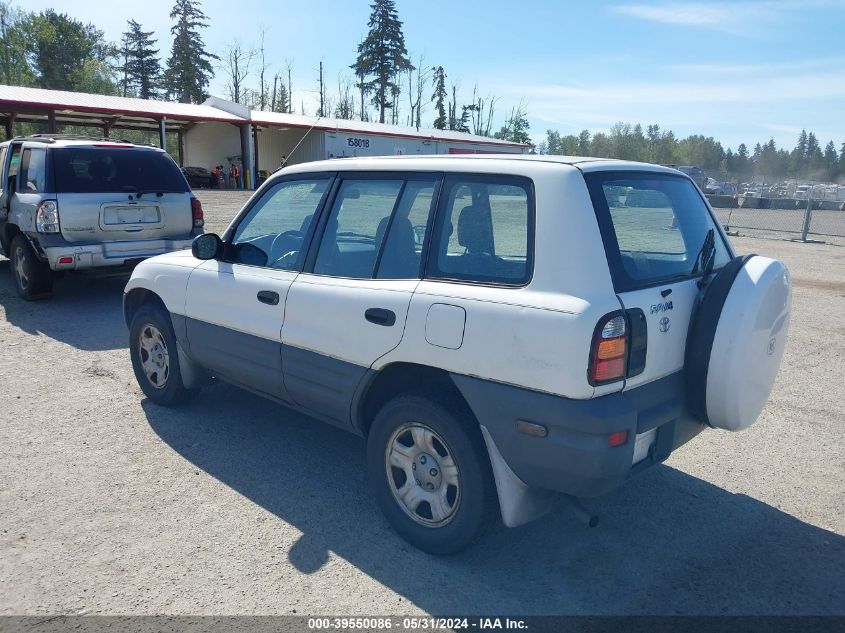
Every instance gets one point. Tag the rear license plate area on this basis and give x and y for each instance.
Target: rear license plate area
(131, 214)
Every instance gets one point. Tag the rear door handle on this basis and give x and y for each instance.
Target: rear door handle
(269, 297)
(380, 316)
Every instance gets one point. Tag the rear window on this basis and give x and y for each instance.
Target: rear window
(115, 170)
(653, 227)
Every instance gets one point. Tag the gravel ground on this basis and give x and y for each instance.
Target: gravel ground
(233, 505)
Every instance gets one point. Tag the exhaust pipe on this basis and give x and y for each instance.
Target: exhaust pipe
(582, 512)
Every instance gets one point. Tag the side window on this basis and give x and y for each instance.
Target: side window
(356, 228)
(483, 230)
(273, 232)
(33, 171)
(402, 250)
(14, 162)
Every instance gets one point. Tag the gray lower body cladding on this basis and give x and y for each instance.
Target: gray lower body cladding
(575, 457)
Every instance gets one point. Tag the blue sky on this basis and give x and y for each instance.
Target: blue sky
(741, 71)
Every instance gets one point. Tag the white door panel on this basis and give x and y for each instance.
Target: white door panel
(326, 315)
(226, 294)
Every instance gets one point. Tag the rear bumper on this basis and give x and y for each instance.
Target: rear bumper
(575, 457)
(54, 249)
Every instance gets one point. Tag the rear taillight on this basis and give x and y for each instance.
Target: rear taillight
(609, 351)
(196, 212)
(47, 217)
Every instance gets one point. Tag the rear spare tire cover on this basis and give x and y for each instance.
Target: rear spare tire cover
(736, 342)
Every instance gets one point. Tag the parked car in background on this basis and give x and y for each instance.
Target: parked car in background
(714, 187)
(71, 204)
(199, 177)
(495, 352)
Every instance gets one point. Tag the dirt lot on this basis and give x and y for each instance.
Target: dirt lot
(109, 504)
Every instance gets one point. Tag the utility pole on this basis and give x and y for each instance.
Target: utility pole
(322, 91)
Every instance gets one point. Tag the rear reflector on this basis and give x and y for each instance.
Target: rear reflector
(530, 428)
(196, 212)
(618, 438)
(65, 260)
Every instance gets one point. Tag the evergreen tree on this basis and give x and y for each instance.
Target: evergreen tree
(382, 56)
(189, 68)
(439, 98)
(831, 162)
(141, 68)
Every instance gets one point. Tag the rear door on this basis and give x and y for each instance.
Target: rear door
(112, 192)
(349, 308)
(653, 226)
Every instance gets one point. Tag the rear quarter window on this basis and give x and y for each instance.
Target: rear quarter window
(652, 225)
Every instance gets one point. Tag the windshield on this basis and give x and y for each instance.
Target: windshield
(115, 170)
(653, 227)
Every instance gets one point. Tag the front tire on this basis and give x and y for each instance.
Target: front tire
(155, 358)
(430, 475)
(33, 278)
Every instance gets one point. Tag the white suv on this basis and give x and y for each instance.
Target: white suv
(504, 331)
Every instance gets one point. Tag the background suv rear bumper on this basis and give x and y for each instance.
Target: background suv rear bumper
(576, 457)
(103, 254)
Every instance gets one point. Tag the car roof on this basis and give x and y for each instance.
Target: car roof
(460, 162)
(48, 141)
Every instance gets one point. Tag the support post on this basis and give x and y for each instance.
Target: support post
(51, 122)
(257, 165)
(162, 133)
(10, 122)
(805, 229)
(181, 142)
(247, 156)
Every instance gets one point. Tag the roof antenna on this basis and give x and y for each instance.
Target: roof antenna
(313, 125)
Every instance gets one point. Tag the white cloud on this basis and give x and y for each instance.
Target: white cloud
(737, 18)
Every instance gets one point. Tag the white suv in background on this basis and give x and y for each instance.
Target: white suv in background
(504, 331)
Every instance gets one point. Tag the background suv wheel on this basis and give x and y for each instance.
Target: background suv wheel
(32, 277)
(430, 474)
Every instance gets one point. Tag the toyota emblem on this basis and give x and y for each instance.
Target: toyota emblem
(663, 324)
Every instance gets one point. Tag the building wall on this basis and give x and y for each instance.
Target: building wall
(275, 143)
(341, 144)
(208, 144)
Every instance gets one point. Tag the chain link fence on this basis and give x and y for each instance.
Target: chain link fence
(782, 218)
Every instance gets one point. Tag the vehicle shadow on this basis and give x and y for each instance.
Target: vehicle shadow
(668, 543)
(85, 310)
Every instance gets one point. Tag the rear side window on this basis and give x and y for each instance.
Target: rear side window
(33, 171)
(653, 227)
(115, 170)
(484, 230)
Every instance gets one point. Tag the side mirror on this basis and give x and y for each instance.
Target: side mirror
(207, 246)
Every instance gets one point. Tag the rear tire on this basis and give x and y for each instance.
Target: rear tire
(33, 278)
(155, 357)
(430, 475)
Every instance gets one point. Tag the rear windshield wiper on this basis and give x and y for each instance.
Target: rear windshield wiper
(706, 255)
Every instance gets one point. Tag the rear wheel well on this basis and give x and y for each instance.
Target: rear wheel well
(7, 235)
(136, 298)
(409, 378)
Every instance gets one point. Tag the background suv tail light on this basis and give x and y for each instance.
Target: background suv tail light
(196, 212)
(609, 351)
(47, 217)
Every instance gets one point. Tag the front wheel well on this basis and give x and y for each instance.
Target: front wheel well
(404, 378)
(7, 234)
(136, 298)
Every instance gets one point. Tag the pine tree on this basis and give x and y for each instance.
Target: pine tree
(189, 68)
(141, 67)
(439, 97)
(382, 56)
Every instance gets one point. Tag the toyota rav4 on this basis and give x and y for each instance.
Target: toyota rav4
(504, 331)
